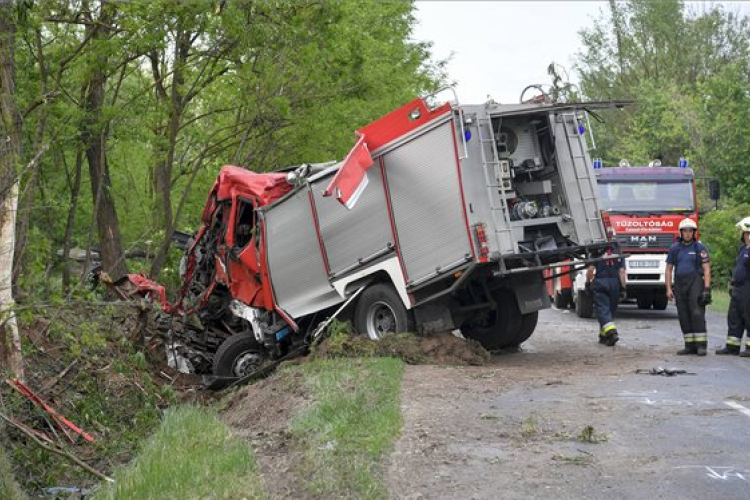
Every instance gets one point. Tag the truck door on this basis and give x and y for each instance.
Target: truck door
(244, 256)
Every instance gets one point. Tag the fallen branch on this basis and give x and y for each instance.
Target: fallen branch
(56, 449)
(49, 385)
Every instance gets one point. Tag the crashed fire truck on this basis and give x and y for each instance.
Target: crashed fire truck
(442, 217)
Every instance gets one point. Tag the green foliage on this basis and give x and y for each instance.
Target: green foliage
(689, 71)
(9, 489)
(191, 455)
(108, 391)
(355, 420)
(259, 84)
(722, 238)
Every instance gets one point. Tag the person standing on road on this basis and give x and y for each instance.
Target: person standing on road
(607, 280)
(738, 316)
(689, 260)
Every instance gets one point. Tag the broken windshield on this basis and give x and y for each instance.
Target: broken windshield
(647, 196)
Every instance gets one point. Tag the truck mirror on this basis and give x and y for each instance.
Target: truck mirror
(714, 192)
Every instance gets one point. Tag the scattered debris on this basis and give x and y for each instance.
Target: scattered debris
(62, 422)
(52, 383)
(667, 372)
(589, 435)
(528, 427)
(583, 459)
(46, 443)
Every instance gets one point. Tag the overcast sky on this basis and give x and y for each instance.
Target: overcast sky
(500, 47)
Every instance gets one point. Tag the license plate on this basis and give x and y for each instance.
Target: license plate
(640, 264)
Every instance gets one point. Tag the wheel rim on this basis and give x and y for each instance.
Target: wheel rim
(246, 363)
(381, 319)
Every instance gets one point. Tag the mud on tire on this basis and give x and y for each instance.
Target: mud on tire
(500, 328)
(239, 355)
(380, 310)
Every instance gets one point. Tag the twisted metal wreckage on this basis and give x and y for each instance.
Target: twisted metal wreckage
(442, 216)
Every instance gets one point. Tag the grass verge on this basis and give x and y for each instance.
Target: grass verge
(192, 455)
(9, 489)
(356, 418)
(719, 301)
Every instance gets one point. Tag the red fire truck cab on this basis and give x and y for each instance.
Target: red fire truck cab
(641, 209)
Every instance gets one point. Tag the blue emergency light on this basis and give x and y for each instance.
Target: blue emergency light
(581, 128)
(683, 162)
(597, 163)
(467, 135)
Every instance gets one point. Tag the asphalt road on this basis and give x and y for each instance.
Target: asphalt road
(569, 418)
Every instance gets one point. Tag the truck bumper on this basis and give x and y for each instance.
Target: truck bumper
(646, 271)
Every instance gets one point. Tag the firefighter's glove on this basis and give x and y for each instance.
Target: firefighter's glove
(705, 297)
(623, 294)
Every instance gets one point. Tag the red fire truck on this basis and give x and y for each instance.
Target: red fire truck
(441, 217)
(641, 209)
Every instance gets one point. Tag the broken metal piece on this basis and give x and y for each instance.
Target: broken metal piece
(667, 372)
(62, 422)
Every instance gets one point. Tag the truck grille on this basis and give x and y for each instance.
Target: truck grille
(644, 241)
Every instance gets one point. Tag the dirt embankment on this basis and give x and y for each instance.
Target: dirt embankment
(262, 413)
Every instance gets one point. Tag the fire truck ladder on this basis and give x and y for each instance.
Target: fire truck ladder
(491, 168)
(578, 156)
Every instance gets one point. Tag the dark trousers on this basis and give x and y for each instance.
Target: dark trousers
(687, 289)
(606, 298)
(738, 317)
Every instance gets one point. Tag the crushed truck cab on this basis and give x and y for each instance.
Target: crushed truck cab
(442, 217)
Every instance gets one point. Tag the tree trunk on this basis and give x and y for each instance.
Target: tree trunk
(10, 339)
(163, 169)
(11, 152)
(94, 138)
(69, 226)
(29, 193)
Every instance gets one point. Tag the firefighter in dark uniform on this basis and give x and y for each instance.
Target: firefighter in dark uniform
(738, 316)
(691, 290)
(607, 281)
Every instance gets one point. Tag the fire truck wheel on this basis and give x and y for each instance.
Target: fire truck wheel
(644, 302)
(380, 311)
(239, 355)
(585, 304)
(528, 325)
(660, 301)
(496, 329)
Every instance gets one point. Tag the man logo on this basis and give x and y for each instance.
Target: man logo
(642, 241)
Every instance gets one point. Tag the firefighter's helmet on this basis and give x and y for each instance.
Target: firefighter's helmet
(688, 224)
(744, 225)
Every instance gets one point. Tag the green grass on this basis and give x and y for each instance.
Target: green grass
(9, 489)
(719, 301)
(356, 420)
(191, 456)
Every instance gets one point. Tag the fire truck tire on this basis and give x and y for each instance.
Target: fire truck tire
(500, 328)
(380, 311)
(644, 302)
(585, 304)
(239, 355)
(528, 325)
(563, 299)
(660, 301)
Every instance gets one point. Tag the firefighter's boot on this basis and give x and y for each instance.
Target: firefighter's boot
(701, 342)
(612, 338)
(745, 353)
(690, 345)
(688, 349)
(608, 334)
(728, 349)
